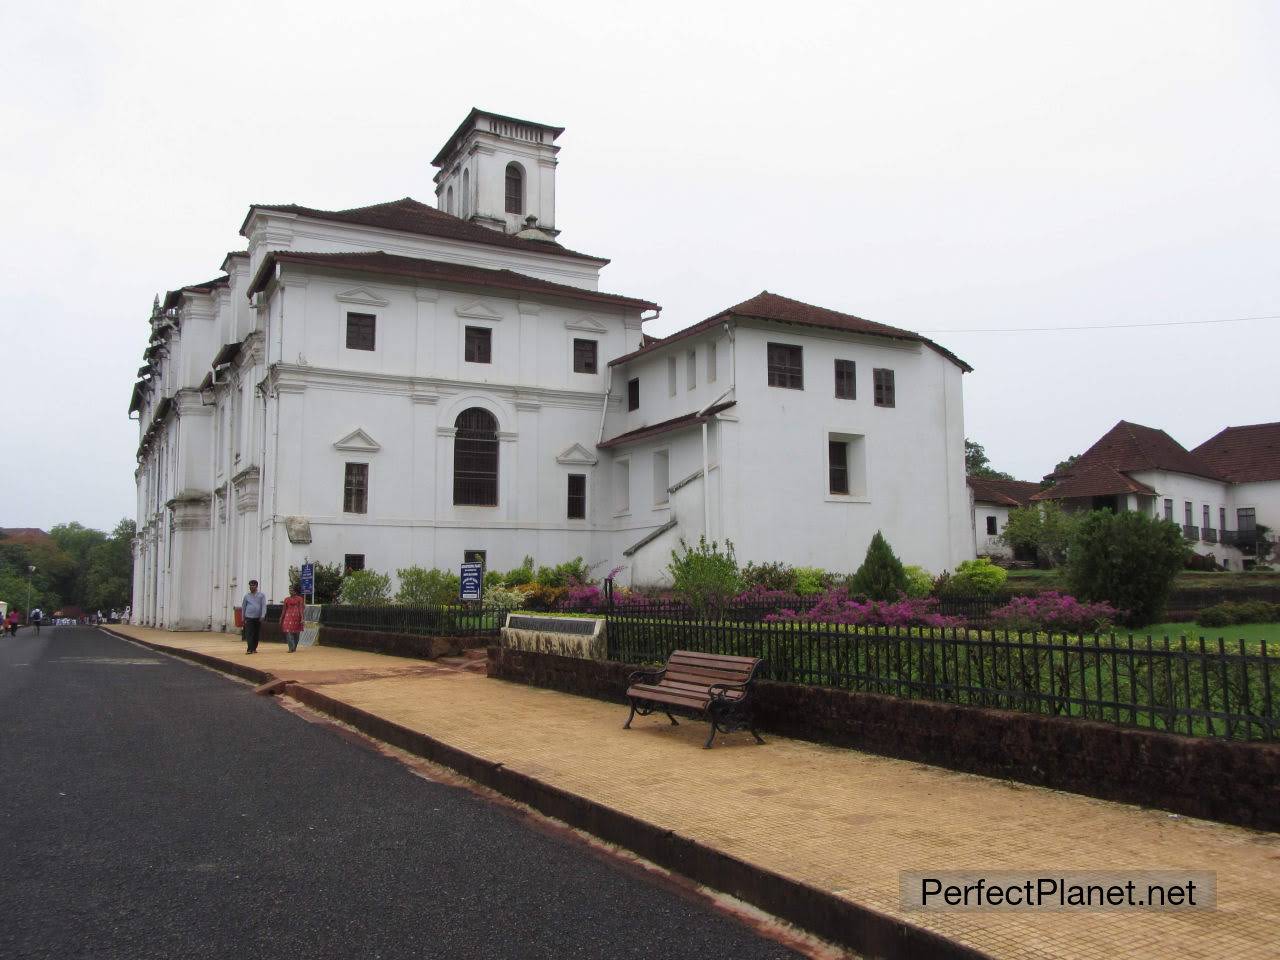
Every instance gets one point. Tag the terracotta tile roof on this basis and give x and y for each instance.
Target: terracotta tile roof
(666, 426)
(771, 306)
(1244, 454)
(1126, 448)
(411, 216)
(1007, 493)
(414, 268)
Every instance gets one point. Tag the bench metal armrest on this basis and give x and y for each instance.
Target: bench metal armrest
(720, 691)
(646, 676)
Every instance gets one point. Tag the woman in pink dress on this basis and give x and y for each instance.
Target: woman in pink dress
(291, 617)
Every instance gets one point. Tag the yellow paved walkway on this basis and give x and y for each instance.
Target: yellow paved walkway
(841, 820)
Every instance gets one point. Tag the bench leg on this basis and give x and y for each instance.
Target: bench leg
(752, 728)
(627, 725)
(672, 719)
(710, 736)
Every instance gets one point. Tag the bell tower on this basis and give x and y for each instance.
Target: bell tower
(500, 173)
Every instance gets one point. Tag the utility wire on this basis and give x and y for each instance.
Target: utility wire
(1106, 326)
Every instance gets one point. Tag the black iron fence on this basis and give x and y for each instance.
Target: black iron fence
(456, 621)
(1198, 688)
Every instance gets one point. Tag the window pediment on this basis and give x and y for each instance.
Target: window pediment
(362, 295)
(577, 456)
(589, 324)
(477, 310)
(357, 441)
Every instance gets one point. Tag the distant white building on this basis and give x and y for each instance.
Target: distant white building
(992, 501)
(401, 384)
(1224, 494)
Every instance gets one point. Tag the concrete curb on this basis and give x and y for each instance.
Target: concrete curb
(841, 921)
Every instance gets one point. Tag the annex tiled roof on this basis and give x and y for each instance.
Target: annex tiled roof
(1126, 448)
(771, 306)
(1244, 454)
(415, 268)
(666, 426)
(411, 216)
(1007, 493)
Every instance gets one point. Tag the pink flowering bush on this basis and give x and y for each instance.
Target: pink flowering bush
(837, 607)
(762, 596)
(1055, 613)
(579, 594)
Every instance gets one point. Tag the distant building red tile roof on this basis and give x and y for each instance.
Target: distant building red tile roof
(415, 268)
(1103, 469)
(1244, 454)
(771, 306)
(412, 216)
(1006, 493)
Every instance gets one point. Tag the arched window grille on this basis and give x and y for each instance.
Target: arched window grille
(466, 193)
(515, 188)
(475, 459)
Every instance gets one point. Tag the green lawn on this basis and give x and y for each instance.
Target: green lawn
(1251, 633)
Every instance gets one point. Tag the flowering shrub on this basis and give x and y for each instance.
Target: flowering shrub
(504, 599)
(761, 596)
(579, 594)
(836, 607)
(1054, 612)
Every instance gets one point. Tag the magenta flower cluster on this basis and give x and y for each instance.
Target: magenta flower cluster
(1054, 612)
(837, 607)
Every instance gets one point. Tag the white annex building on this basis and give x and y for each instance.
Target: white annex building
(403, 384)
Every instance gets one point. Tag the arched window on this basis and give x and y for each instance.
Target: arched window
(475, 459)
(515, 188)
(466, 193)
(448, 201)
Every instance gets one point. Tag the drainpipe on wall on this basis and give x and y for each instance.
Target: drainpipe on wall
(604, 407)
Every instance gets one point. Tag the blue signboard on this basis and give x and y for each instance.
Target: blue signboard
(472, 577)
(307, 578)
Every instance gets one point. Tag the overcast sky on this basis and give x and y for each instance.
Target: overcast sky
(938, 166)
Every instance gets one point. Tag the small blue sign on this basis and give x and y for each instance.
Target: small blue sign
(472, 578)
(307, 578)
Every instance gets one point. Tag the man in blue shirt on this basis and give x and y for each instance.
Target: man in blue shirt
(254, 608)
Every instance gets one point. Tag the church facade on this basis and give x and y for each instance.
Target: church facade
(414, 385)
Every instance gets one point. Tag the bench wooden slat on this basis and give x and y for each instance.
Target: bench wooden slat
(687, 681)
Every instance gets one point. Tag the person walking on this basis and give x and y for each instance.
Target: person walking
(291, 617)
(34, 619)
(11, 621)
(254, 608)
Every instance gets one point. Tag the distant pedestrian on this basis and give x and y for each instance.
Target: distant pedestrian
(11, 623)
(254, 608)
(291, 618)
(34, 619)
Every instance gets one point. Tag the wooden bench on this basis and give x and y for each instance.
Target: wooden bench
(706, 685)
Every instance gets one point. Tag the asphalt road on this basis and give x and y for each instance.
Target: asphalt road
(151, 808)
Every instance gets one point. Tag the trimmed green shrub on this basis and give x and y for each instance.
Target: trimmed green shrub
(420, 587)
(1127, 559)
(563, 574)
(769, 576)
(1238, 611)
(881, 576)
(919, 581)
(365, 588)
(981, 577)
(520, 575)
(504, 599)
(704, 576)
(811, 580)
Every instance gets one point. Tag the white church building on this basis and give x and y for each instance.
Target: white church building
(411, 385)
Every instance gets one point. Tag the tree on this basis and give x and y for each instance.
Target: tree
(1066, 464)
(1127, 559)
(1045, 529)
(881, 576)
(976, 463)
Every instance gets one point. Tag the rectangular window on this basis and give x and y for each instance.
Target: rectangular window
(671, 376)
(577, 496)
(991, 526)
(1168, 510)
(1207, 522)
(1222, 518)
(622, 473)
(846, 385)
(1186, 512)
(691, 369)
(661, 476)
(884, 390)
(355, 489)
(584, 356)
(1246, 520)
(786, 366)
(711, 363)
(633, 393)
(360, 331)
(352, 561)
(479, 345)
(838, 464)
